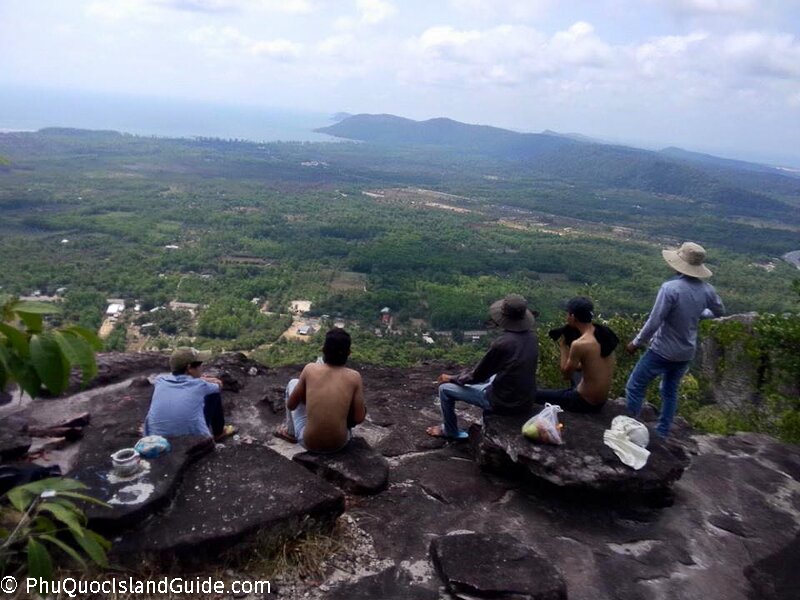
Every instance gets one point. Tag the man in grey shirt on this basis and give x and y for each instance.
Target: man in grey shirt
(671, 331)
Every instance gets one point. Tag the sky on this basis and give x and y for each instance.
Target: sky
(719, 76)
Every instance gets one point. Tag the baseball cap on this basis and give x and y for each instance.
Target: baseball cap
(183, 356)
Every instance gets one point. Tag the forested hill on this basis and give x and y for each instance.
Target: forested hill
(734, 187)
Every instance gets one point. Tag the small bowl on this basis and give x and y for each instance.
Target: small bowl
(125, 462)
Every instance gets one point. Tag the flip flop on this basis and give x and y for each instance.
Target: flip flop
(227, 431)
(437, 431)
(283, 434)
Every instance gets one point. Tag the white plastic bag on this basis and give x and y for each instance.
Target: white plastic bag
(544, 427)
(628, 438)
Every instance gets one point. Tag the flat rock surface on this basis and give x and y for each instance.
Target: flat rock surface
(391, 584)
(495, 566)
(731, 528)
(13, 444)
(357, 468)
(583, 461)
(231, 496)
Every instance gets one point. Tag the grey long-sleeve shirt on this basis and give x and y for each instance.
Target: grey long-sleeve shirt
(671, 328)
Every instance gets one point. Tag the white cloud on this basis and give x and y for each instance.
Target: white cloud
(374, 11)
(713, 7)
(508, 53)
(122, 10)
(229, 42)
(762, 54)
(508, 10)
(119, 10)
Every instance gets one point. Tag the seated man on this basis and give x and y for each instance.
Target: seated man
(504, 381)
(186, 402)
(326, 401)
(586, 359)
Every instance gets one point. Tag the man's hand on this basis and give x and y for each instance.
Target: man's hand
(444, 378)
(631, 348)
(212, 380)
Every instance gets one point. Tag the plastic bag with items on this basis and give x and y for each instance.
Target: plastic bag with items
(544, 427)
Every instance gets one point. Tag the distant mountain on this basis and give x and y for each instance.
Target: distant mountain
(340, 116)
(716, 161)
(389, 129)
(738, 188)
(578, 137)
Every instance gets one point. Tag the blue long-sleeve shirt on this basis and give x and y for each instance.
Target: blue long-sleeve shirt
(671, 327)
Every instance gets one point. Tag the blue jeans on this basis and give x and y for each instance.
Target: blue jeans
(650, 366)
(449, 393)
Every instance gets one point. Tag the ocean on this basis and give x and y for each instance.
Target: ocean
(24, 109)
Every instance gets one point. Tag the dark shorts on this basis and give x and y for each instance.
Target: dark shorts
(569, 399)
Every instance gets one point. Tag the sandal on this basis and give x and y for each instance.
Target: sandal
(437, 431)
(282, 433)
(227, 431)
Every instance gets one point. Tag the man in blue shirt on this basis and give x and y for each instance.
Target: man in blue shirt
(186, 402)
(671, 331)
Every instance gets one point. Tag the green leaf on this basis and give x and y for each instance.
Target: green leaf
(4, 371)
(85, 498)
(90, 336)
(19, 341)
(43, 525)
(67, 549)
(66, 516)
(33, 322)
(68, 504)
(24, 374)
(39, 563)
(93, 547)
(78, 352)
(32, 307)
(104, 543)
(50, 364)
(20, 498)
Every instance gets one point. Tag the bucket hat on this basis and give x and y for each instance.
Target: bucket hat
(688, 259)
(511, 313)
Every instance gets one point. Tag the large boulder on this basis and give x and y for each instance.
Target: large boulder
(495, 566)
(732, 374)
(13, 444)
(389, 584)
(113, 367)
(240, 494)
(583, 461)
(357, 468)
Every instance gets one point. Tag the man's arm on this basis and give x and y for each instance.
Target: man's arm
(660, 310)
(488, 366)
(715, 305)
(358, 410)
(298, 394)
(571, 359)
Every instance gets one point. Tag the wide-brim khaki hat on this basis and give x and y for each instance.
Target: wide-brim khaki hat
(511, 313)
(184, 356)
(688, 259)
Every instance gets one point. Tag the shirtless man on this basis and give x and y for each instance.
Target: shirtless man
(590, 356)
(326, 401)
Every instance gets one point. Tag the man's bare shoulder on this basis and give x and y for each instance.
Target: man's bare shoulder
(352, 374)
(586, 343)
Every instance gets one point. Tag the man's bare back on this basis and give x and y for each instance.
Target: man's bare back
(334, 397)
(597, 371)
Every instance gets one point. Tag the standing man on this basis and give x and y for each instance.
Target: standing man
(671, 331)
(504, 381)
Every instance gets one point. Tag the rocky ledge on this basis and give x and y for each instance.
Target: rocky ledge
(730, 531)
(583, 462)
